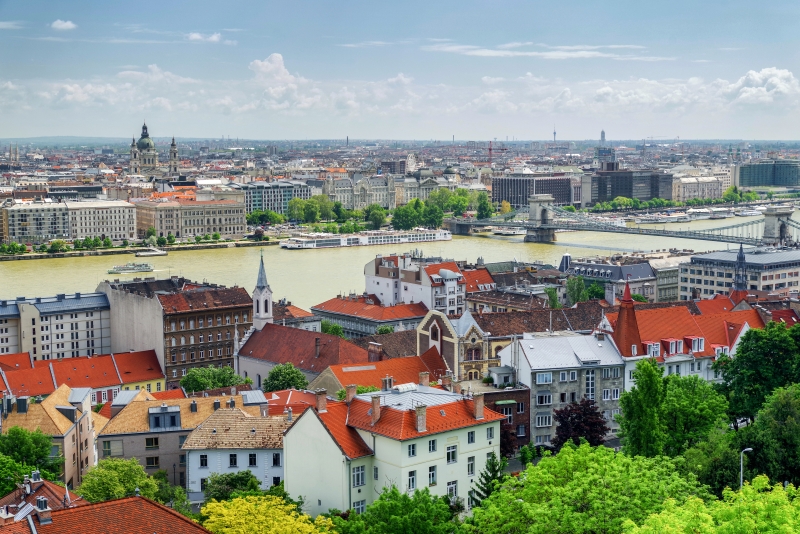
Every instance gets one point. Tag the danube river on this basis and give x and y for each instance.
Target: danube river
(308, 277)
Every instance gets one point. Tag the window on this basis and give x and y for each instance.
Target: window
(543, 398)
(182, 460)
(412, 450)
(471, 466)
(520, 431)
(203, 460)
(452, 489)
(606, 394)
(615, 372)
(544, 378)
(590, 384)
(544, 420)
(573, 376)
(506, 410)
(359, 506)
(562, 377)
(490, 433)
(151, 462)
(451, 454)
(151, 443)
(358, 476)
(251, 462)
(412, 480)
(615, 394)
(432, 445)
(542, 439)
(203, 482)
(471, 436)
(375, 473)
(181, 440)
(520, 407)
(276, 459)
(606, 372)
(112, 448)
(233, 460)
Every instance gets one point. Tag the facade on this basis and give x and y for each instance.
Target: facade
(185, 218)
(362, 316)
(565, 367)
(252, 443)
(63, 326)
(667, 271)
(188, 324)
(606, 185)
(273, 196)
(640, 276)
(33, 222)
(144, 156)
(516, 189)
(342, 454)
(114, 219)
(688, 187)
(767, 173)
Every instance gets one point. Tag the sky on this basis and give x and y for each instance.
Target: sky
(473, 69)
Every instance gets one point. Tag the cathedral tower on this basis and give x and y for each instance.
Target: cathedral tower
(173, 158)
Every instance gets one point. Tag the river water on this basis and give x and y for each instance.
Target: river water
(308, 277)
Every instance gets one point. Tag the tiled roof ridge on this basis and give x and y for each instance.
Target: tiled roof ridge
(116, 367)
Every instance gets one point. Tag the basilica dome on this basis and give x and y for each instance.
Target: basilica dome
(144, 142)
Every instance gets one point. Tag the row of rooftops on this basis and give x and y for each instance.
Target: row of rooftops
(59, 304)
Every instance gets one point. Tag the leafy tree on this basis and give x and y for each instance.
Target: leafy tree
(595, 291)
(56, 245)
(484, 208)
(107, 243)
(490, 478)
(285, 376)
(151, 232)
(28, 448)
(11, 473)
(405, 218)
(114, 478)
(432, 216)
(690, 409)
(505, 207)
(342, 393)
(161, 241)
(715, 460)
(339, 211)
(296, 209)
(583, 490)
(731, 194)
(384, 329)
(215, 236)
(580, 421)
(333, 329)
(125, 243)
(552, 298)
(264, 514)
(221, 486)
(376, 217)
(576, 290)
(198, 238)
(440, 198)
(97, 242)
(758, 507)
(458, 204)
(325, 206)
(174, 496)
(203, 378)
(396, 512)
(569, 208)
(311, 211)
(638, 298)
(641, 428)
(766, 359)
(170, 238)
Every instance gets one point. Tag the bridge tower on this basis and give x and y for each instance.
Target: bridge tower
(775, 230)
(540, 215)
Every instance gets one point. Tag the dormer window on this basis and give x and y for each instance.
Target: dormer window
(698, 344)
(672, 347)
(633, 350)
(654, 350)
(680, 347)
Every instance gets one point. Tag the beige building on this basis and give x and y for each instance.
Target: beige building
(114, 219)
(688, 187)
(33, 222)
(190, 218)
(67, 416)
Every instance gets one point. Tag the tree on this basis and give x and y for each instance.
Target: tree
(215, 236)
(376, 217)
(170, 238)
(161, 241)
(265, 514)
(731, 194)
(114, 478)
(28, 448)
(580, 421)
(640, 426)
(440, 198)
(485, 209)
(396, 512)
(221, 486)
(11, 473)
(715, 460)
(342, 393)
(203, 378)
(107, 243)
(569, 208)
(405, 218)
(490, 478)
(595, 291)
(296, 209)
(56, 245)
(583, 490)
(384, 329)
(458, 204)
(339, 211)
(285, 376)
(576, 290)
(432, 216)
(638, 298)
(690, 409)
(151, 232)
(325, 206)
(505, 207)
(766, 359)
(174, 496)
(333, 329)
(311, 211)
(552, 298)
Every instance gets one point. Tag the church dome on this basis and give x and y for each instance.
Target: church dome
(144, 142)
(450, 170)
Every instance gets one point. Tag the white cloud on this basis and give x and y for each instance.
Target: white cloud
(211, 38)
(63, 25)
(489, 80)
(554, 52)
(10, 25)
(366, 44)
(513, 45)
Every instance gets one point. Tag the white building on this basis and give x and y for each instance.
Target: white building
(231, 440)
(342, 454)
(114, 219)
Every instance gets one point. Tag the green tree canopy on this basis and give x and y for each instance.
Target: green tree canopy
(333, 329)
(325, 206)
(552, 298)
(576, 290)
(440, 198)
(342, 393)
(490, 478)
(583, 490)
(376, 216)
(405, 218)
(577, 421)
(458, 204)
(203, 378)
(432, 216)
(384, 329)
(595, 291)
(221, 486)
(311, 211)
(260, 514)
(484, 207)
(641, 428)
(285, 376)
(28, 448)
(151, 231)
(296, 209)
(115, 478)
(12, 473)
(638, 298)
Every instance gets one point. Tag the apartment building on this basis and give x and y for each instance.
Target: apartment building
(63, 326)
(363, 315)
(114, 219)
(33, 222)
(273, 196)
(186, 218)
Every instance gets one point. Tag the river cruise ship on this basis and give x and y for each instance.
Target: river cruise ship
(129, 268)
(373, 237)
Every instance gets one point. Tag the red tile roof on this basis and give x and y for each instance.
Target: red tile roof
(785, 316)
(282, 344)
(627, 333)
(476, 278)
(130, 515)
(138, 366)
(365, 308)
(720, 303)
(84, 371)
(55, 496)
(434, 269)
(12, 362)
(176, 393)
(205, 299)
(724, 328)
(403, 370)
(297, 400)
(347, 438)
(37, 381)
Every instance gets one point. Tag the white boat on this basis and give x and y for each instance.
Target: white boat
(510, 230)
(721, 213)
(748, 213)
(698, 214)
(130, 268)
(151, 252)
(372, 237)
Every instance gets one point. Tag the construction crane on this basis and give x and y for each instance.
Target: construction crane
(491, 150)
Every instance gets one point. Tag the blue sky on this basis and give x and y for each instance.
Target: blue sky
(400, 70)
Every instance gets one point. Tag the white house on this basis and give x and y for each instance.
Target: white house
(231, 440)
(342, 454)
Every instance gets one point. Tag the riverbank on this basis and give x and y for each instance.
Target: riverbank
(134, 250)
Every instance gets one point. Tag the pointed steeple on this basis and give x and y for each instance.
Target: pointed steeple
(173, 141)
(626, 330)
(262, 298)
(739, 291)
(261, 283)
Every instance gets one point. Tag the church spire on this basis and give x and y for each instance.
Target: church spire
(262, 299)
(261, 283)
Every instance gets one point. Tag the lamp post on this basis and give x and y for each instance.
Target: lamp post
(741, 466)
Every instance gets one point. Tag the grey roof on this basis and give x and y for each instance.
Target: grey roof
(261, 283)
(59, 304)
(605, 271)
(463, 323)
(411, 399)
(753, 256)
(124, 397)
(253, 397)
(567, 350)
(79, 394)
(8, 309)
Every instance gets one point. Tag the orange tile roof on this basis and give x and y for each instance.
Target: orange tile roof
(55, 496)
(364, 308)
(138, 366)
(789, 317)
(436, 267)
(36, 381)
(12, 362)
(347, 438)
(724, 328)
(206, 299)
(476, 278)
(84, 371)
(720, 303)
(403, 370)
(176, 393)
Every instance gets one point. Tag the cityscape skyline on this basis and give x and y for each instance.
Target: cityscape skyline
(427, 71)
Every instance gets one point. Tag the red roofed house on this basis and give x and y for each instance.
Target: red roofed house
(342, 454)
(682, 343)
(362, 316)
(437, 284)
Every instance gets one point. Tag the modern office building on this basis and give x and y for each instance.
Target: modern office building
(273, 196)
(767, 173)
(33, 222)
(517, 188)
(606, 185)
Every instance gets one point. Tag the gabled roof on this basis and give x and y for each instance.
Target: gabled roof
(36, 381)
(372, 310)
(282, 344)
(584, 317)
(83, 371)
(478, 280)
(402, 370)
(398, 344)
(138, 366)
(13, 362)
(788, 317)
(58, 497)
(43, 415)
(435, 268)
(176, 393)
(725, 328)
(346, 438)
(297, 400)
(720, 303)
(204, 299)
(231, 428)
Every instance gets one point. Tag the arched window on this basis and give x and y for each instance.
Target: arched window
(173, 342)
(435, 333)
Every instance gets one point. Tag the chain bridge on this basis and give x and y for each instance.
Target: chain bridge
(543, 218)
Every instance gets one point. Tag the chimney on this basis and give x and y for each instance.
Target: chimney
(376, 409)
(193, 406)
(424, 378)
(422, 416)
(317, 344)
(264, 410)
(374, 352)
(43, 511)
(387, 383)
(351, 392)
(232, 402)
(445, 382)
(322, 400)
(6, 517)
(477, 402)
(216, 405)
(455, 386)
(289, 414)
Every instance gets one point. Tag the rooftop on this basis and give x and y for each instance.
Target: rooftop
(231, 428)
(367, 308)
(753, 256)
